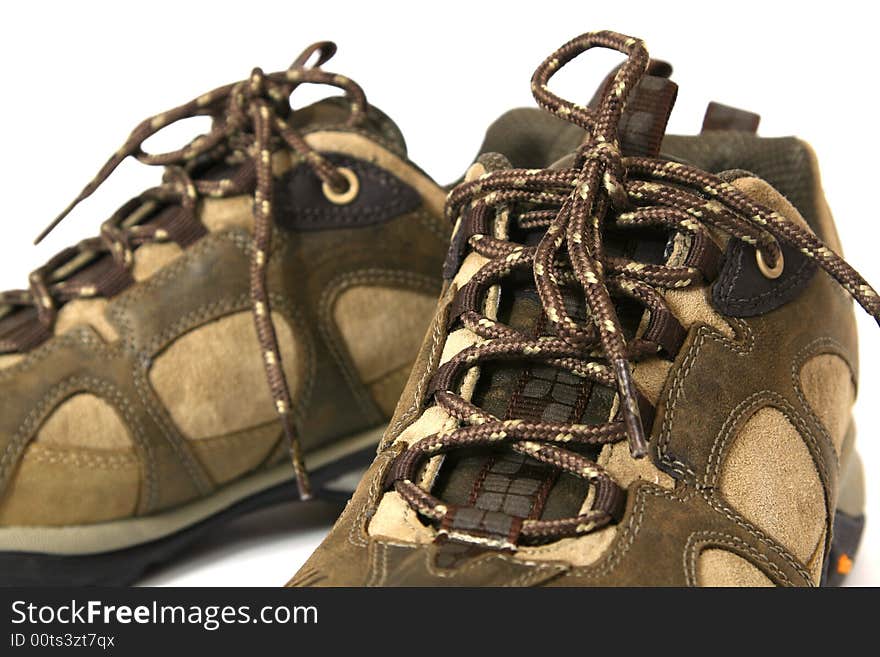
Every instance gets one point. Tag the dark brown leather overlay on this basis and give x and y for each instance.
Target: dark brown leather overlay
(743, 291)
(302, 204)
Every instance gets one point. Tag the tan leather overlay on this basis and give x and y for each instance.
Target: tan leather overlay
(201, 376)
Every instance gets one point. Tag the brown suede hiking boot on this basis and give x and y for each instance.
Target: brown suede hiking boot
(642, 366)
(267, 299)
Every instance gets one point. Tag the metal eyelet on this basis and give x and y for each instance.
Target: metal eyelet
(768, 272)
(350, 193)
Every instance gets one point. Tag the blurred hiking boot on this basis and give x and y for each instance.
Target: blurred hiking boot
(262, 305)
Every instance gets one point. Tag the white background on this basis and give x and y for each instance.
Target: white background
(76, 77)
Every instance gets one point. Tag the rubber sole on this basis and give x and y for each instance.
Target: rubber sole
(846, 536)
(125, 566)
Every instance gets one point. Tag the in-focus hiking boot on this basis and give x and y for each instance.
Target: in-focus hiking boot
(642, 367)
(267, 299)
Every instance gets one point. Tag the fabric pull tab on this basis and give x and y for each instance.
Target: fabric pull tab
(643, 123)
(647, 111)
(725, 117)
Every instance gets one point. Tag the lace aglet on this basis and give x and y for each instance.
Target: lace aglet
(303, 485)
(305, 491)
(638, 443)
(48, 229)
(57, 220)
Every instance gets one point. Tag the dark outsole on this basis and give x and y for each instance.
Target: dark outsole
(846, 535)
(126, 566)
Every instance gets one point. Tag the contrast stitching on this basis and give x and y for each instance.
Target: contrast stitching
(625, 539)
(747, 407)
(50, 401)
(710, 495)
(741, 347)
(408, 416)
(727, 283)
(327, 326)
(818, 347)
(92, 459)
(698, 541)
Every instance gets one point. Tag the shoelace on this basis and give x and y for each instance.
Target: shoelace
(248, 121)
(576, 205)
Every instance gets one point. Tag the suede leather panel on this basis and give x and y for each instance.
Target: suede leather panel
(200, 376)
(828, 386)
(84, 421)
(382, 326)
(364, 310)
(769, 477)
(232, 455)
(91, 312)
(721, 568)
(56, 487)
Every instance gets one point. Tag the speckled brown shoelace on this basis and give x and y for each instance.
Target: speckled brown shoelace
(575, 206)
(248, 125)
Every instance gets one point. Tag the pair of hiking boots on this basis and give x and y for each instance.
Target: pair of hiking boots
(640, 370)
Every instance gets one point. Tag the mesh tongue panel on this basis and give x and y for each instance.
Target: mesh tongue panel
(533, 391)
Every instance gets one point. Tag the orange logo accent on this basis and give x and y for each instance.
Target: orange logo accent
(844, 564)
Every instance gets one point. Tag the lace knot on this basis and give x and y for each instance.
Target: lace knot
(607, 155)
